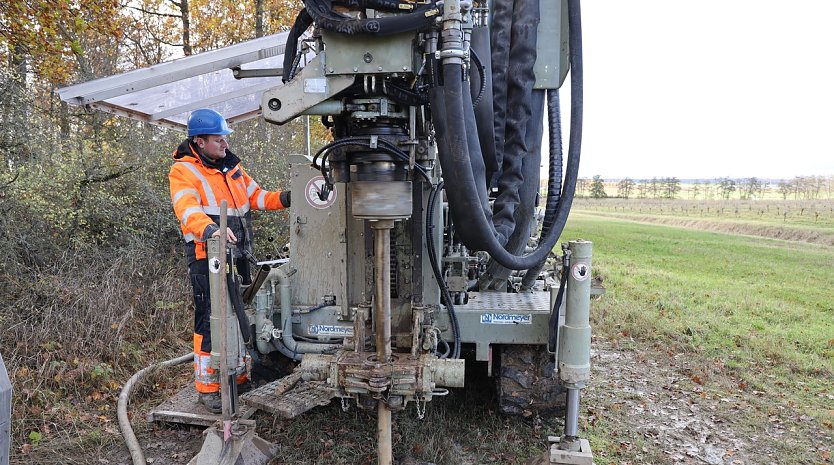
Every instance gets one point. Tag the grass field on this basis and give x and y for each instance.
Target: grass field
(755, 315)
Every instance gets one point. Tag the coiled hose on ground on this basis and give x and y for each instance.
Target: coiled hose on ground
(132, 443)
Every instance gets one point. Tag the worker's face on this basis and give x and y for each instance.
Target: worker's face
(213, 146)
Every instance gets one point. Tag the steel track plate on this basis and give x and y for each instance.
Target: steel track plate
(289, 402)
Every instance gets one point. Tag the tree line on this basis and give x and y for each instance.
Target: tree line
(798, 188)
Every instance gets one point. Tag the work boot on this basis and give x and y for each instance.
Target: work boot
(211, 400)
(244, 387)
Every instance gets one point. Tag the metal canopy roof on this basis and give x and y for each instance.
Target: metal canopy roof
(166, 93)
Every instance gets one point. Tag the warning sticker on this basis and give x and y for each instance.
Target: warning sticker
(214, 265)
(580, 271)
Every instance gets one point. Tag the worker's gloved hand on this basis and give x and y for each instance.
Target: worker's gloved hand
(285, 199)
(230, 236)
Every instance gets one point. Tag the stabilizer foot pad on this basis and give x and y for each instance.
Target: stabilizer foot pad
(581, 457)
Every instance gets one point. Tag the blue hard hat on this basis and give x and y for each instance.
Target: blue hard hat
(207, 121)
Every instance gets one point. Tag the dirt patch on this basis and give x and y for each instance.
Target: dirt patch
(663, 408)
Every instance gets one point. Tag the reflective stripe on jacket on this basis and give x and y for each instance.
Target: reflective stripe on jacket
(196, 193)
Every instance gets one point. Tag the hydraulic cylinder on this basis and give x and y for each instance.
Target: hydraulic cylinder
(575, 337)
(575, 334)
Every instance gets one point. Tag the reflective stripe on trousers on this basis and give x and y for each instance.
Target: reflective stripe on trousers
(206, 378)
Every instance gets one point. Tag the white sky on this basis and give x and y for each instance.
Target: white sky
(706, 89)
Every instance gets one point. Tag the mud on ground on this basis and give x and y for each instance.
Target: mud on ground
(649, 406)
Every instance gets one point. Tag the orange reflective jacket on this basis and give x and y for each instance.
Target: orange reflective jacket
(198, 189)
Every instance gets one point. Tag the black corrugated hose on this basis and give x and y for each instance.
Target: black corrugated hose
(554, 180)
(302, 22)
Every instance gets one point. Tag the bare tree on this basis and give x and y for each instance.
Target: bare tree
(259, 18)
(582, 185)
(671, 187)
(182, 5)
(785, 188)
(642, 189)
(726, 187)
(696, 189)
(625, 188)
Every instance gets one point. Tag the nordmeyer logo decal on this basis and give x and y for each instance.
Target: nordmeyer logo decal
(331, 330)
(506, 319)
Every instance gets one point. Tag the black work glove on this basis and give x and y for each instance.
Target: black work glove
(285, 199)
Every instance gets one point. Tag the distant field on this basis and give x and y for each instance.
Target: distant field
(755, 311)
(798, 220)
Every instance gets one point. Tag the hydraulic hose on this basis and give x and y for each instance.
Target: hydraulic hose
(302, 22)
(132, 443)
(482, 82)
(483, 100)
(554, 181)
(502, 21)
(322, 12)
(553, 323)
(480, 235)
(520, 81)
(476, 157)
(287, 344)
(435, 267)
(242, 318)
(495, 274)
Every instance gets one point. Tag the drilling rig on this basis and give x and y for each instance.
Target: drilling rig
(412, 232)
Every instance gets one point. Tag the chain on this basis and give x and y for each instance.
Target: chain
(421, 413)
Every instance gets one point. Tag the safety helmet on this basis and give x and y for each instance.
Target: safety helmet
(207, 121)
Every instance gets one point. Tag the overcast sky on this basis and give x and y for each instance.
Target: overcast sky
(707, 88)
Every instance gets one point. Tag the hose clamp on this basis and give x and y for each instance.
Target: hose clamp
(453, 56)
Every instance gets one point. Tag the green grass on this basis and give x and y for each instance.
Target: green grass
(762, 307)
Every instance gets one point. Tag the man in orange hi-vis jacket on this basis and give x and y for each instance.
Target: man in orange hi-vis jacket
(204, 173)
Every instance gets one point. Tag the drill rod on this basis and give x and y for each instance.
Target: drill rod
(225, 393)
(382, 318)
